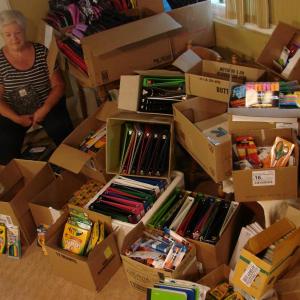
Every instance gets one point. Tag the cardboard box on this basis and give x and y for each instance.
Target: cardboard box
(196, 21)
(68, 156)
(281, 37)
(255, 276)
(114, 139)
(142, 44)
(214, 158)
(48, 205)
(141, 277)
(213, 79)
(130, 91)
(91, 272)
(122, 228)
(212, 256)
(213, 278)
(20, 181)
(271, 183)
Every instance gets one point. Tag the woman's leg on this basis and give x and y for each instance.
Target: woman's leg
(11, 140)
(57, 123)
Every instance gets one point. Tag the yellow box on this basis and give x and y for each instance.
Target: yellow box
(255, 276)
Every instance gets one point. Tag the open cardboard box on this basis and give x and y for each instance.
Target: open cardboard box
(68, 156)
(266, 183)
(114, 139)
(281, 37)
(20, 181)
(213, 79)
(130, 91)
(141, 276)
(142, 44)
(48, 205)
(91, 272)
(254, 275)
(213, 278)
(196, 20)
(213, 153)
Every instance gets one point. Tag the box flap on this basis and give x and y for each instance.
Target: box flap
(187, 61)
(111, 39)
(159, 72)
(108, 109)
(132, 236)
(129, 92)
(69, 158)
(267, 237)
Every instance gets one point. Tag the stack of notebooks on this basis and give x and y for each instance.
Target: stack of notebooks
(196, 216)
(145, 149)
(176, 289)
(160, 92)
(127, 199)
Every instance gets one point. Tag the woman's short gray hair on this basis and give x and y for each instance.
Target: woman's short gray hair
(12, 16)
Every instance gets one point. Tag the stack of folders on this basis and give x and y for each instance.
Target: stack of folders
(173, 289)
(145, 149)
(160, 92)
(127, 199)
(196, 216)
(246, 233)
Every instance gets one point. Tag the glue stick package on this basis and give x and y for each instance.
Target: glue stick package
(2, 238)
(281, 152)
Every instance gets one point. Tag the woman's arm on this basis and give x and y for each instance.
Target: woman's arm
(8, 113)
(57, 91)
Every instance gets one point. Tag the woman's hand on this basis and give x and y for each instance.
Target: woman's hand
(40, 114)
(24, 120)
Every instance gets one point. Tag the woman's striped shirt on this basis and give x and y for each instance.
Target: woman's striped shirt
(26, 90)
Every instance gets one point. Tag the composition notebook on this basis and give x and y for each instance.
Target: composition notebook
(160, 294)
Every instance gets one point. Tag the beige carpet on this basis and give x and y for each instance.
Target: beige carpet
(32, 278)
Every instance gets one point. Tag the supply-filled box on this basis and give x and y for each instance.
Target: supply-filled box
(142, 276)
(214, 79)
(147, 195)
(201, 128)
(152, 91)
(20, 181)
(67, 189)
(83, 150)
(281, 53)
(139, 145)
(265, 257)
(141, 44)
(92, 270)
(265, 164)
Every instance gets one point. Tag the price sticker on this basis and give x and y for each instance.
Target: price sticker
(263, 178)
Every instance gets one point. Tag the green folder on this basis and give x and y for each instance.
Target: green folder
(160, 294)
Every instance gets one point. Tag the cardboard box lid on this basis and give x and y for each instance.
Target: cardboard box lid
(108, 109)
(272, 234)
(67, 157)
(130, 33)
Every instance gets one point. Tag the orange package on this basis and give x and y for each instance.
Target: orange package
(281, 152)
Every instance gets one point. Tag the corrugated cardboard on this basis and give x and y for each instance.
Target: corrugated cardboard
(286, 182)
(91, 272)
(68, 156)
(131, 88)
(142, 44)
(203, 78)
(47, 206)
(141, 277)
(22, 180)
(114, 139)
(267, 272)
(216, 160)
(196, 20)
(281, 37)
(212, 256)
(213, 278)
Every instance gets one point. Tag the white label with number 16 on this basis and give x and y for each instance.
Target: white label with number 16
(263, 178)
